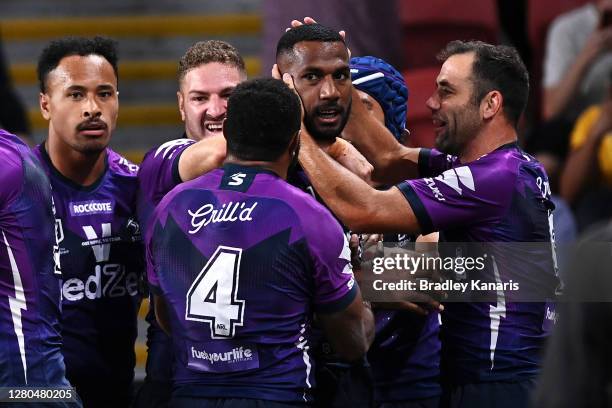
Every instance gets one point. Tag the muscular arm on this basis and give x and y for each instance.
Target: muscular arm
(350, 158)
(392, 161)
(202, 157)
(359, 206)
(350, 331)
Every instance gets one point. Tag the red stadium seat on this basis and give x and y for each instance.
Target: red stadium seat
(429, 25)
(421, 83)
(540, 13)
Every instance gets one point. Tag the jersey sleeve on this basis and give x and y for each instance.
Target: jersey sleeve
(459, 196)
(158, 175)
(433, 162)
(334, 283)
(11, 177)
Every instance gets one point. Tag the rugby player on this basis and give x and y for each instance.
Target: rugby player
(240, 260)
(94, 190)
(208, 73)
(30, 355)
(317, 57)
(483, 188)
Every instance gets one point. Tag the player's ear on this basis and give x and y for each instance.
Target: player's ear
(181, 105)
(43, 102)
(491, 104)
(294, 145)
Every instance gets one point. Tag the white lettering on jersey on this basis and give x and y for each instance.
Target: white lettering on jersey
(101, 251)
(237, 178)
(229, 212)
(454, 178)
(117, 283)
(131, 166)
(170, 146)
(434, 189)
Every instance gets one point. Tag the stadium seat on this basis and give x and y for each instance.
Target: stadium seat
(429, 25)
(540, 13)
(421, 83)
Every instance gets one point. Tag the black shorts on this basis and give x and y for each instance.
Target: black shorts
(489, 395)
(343, 385)
(433, 402)
(199, 402)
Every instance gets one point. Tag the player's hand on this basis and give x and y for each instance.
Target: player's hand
(288, 80)
(350, 158)
(310, 20)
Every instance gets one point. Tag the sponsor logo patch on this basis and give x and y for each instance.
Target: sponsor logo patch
(221, 357)
(81, 208)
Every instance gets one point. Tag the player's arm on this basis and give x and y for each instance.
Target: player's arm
(392, 161)
(360, 207)
(161, 313)
(202, 157)
(350, 158)
(350, 331)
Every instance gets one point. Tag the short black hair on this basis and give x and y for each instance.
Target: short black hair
(496, 67)
(306, 32)
(263, 115)
(56, 50)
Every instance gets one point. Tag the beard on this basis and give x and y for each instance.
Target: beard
(326, 133)
(466, 125)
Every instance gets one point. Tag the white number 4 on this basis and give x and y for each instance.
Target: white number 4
(212, 297)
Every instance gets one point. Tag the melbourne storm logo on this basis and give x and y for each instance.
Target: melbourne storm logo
(132, 229)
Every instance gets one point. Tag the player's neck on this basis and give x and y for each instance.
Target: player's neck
(83, 169)
(488, 139)
(280, 169)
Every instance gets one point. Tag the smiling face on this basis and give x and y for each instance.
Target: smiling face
(456, 116)
(81, 103)
(322, 78)
(203, 96)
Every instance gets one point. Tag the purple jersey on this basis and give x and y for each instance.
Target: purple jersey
(243, 260)
(501, 197)
(30, 352)
(102, 261)
(158, 174)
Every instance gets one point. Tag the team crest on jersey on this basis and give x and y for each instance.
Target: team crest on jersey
(132, 229)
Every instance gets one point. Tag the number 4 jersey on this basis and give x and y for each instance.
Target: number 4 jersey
(102, 260)
(242, 260)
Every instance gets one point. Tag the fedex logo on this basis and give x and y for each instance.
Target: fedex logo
(110, 280)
